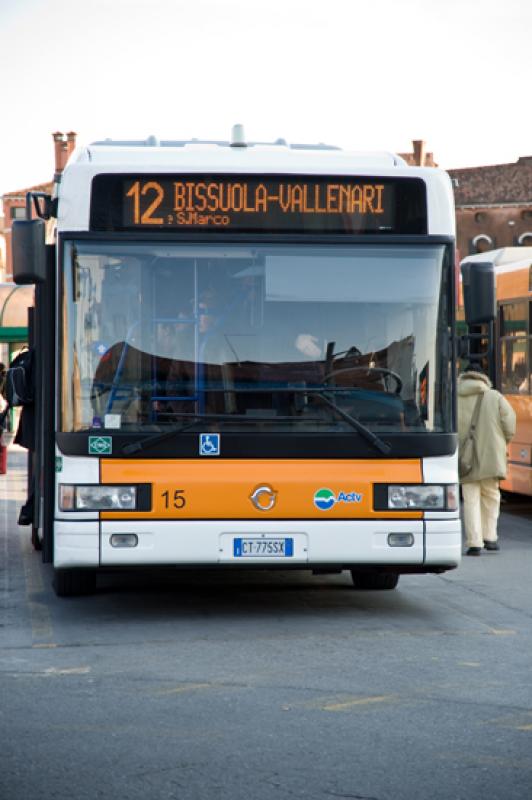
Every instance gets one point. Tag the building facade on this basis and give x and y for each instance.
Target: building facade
(14, 203)
(2, 250)
(493, 206)
(493, 203)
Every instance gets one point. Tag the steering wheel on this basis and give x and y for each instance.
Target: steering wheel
(385, 373)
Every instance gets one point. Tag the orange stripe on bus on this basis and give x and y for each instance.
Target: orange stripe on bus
(222, 489)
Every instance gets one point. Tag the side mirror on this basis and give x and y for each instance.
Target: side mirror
(478, 284)
(29, 251)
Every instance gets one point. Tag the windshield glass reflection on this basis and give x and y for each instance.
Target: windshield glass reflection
(255, 338)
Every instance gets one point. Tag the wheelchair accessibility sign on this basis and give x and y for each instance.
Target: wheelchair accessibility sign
(209, 444)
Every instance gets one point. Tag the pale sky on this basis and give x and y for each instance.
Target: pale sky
(361, 74)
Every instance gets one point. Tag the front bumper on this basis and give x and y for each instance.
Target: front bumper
(436, 543)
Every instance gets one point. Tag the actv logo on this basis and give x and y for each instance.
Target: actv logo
(325, 499)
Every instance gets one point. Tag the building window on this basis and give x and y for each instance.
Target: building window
(527, 214)
(18, 212)
(525, 240)
(482, 243)
(480, 217)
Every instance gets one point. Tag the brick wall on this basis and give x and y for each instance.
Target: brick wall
(487, 228)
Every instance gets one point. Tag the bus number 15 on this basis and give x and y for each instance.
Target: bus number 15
(174, 499)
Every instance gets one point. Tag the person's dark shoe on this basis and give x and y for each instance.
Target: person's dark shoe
(491, 545)
(473, 551)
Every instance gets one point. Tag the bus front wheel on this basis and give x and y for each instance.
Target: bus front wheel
(74, 582)
(374, 580)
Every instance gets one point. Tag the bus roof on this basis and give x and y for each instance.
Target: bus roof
(252, 156)
(507, 258)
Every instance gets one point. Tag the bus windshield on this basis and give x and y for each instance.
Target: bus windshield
(235, 337)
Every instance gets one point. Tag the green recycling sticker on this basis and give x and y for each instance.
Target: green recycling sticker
(100, 445)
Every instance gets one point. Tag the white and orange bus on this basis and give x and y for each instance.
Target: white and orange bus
(246, 361)
(512, 352)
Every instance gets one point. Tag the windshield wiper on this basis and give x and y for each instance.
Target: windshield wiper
(319, 391)
(376, 441)
(142, 444)
(365, 432)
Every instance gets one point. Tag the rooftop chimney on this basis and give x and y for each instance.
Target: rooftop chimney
(419, 152)
(64, 144)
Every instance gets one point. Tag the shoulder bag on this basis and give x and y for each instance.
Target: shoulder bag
(466, 451)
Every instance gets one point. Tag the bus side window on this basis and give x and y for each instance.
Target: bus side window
(514, 345)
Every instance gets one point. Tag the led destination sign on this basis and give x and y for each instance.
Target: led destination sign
(282, 204)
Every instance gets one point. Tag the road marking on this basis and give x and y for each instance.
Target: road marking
(359, 701)
(517, 722)
(66, 671)
(51, 672)
(189, 687)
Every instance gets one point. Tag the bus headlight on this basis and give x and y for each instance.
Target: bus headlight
(416, 497)
(97, 497)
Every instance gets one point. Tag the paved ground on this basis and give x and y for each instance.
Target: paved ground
(207, 685)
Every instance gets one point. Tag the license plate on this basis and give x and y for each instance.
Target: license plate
(262, 547)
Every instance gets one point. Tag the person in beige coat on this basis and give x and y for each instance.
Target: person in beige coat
(495, 429)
